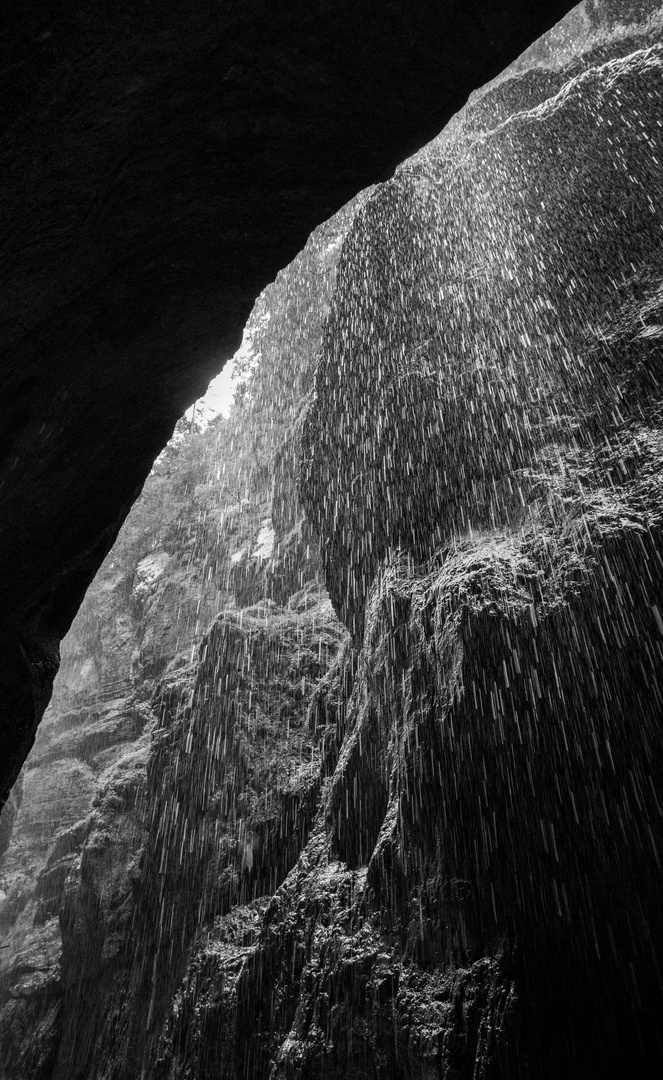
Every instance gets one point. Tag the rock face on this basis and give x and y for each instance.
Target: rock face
(445, 266)
(481, 892)
(413, 830)
(176, 774)
(159, 167)
(484, 469)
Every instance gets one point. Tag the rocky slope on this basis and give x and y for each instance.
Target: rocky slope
(418, 833)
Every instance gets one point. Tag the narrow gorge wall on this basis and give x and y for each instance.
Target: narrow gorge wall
(354, 768)
(177, 771)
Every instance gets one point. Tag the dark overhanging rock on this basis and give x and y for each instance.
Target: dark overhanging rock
(159, 167)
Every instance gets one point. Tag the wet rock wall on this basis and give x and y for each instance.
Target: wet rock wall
(425, 843)
(467, 330)
(483, 470)
(176, 774)
(480, 894)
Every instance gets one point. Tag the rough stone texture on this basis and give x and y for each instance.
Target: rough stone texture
(30, 1013)
(481, 893)
(132, 835)
(8, 814)
(160, 164)
(198, 768)
(485, 474)
(79, 757)
(209, 809)
(493, 825)
(546, 212)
